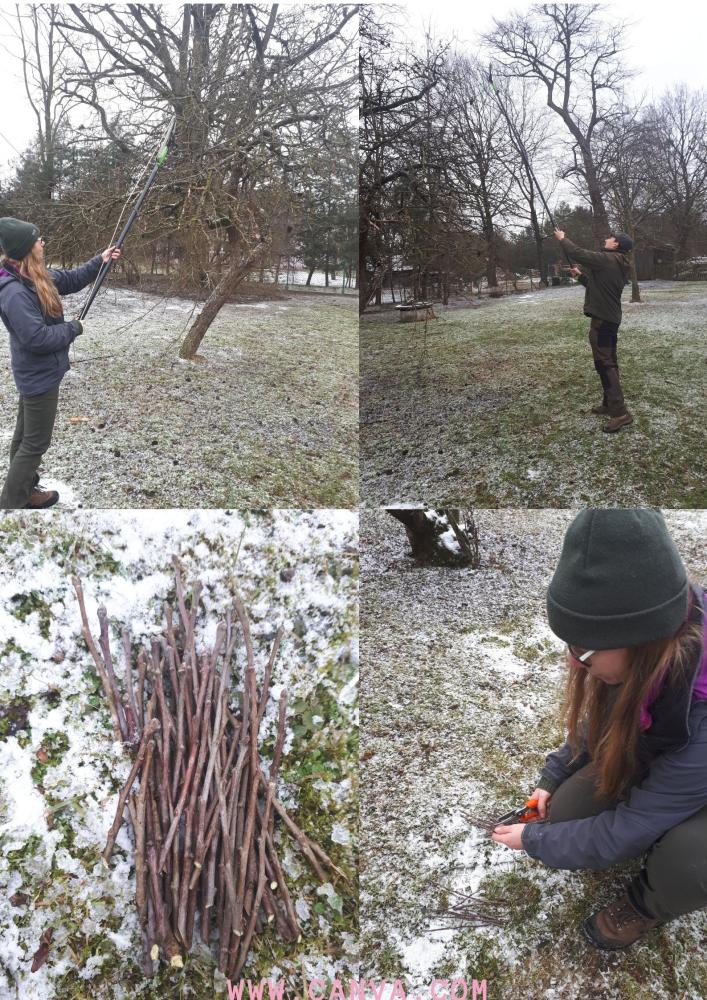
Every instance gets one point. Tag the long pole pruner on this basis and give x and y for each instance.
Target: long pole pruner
(520, 146)
(162, 155)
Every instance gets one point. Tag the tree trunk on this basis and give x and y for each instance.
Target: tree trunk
(309, 276)
(446, 537)
(226, 286)
(635, 288)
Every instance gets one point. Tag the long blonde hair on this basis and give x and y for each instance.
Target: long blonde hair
(33, 267)
(610, 719)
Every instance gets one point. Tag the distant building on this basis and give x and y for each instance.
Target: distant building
(655, 262)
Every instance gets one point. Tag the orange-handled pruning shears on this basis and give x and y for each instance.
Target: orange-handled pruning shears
(523, 814)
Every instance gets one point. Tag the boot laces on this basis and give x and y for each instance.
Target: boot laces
(624, 913)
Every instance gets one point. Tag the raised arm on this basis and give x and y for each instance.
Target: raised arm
(589, 257)
(68, 282)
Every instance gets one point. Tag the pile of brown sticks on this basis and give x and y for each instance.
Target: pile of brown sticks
(203, 814)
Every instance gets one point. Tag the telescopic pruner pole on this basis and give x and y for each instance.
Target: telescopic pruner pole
(107, 265)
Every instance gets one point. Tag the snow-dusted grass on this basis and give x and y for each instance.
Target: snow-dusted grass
(490, 405)
(459, 705)
(269, 418)
(55, 808)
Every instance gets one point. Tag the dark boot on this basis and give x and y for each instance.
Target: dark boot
(616, 423)
(618, 925)
(39, 499)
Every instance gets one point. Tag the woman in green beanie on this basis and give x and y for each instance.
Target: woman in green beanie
(30, 308)
(631, 779)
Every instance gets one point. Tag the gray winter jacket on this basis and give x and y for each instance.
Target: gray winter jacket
(39, 345)
(674, 755)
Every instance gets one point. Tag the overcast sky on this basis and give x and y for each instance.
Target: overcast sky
(666, 45)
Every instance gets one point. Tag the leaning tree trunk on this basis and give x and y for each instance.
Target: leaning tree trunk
(445, 537)
(225, 288)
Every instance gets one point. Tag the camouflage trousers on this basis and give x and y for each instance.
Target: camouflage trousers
(602, 338)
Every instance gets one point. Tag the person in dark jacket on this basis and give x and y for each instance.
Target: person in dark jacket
(604, 276)
(31, 310)
(632, 776)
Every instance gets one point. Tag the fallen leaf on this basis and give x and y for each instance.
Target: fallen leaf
(40, 955)
(42, 755)
(19, 899)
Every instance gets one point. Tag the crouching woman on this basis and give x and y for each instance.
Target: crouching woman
(30, 308)
(631, 780)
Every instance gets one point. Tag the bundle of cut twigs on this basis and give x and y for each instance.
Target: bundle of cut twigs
(202, 812)
(469, 910)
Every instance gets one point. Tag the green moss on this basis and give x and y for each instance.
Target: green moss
(11, 648)
(54, 746)
(14, 716)
(23, 605)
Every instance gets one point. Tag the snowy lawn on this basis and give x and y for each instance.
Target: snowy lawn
(60, 772)
(459, 705)
(490, 406)
(269, 418)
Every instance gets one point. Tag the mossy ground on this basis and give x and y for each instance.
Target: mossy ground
(460, 693)
(490, 405)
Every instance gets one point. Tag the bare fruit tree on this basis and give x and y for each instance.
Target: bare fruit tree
(253, 90)
(575, 57)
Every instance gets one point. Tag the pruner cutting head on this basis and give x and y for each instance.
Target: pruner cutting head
(527, 813)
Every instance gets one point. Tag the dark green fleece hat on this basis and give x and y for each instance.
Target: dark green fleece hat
(17, 237)
(620, 580)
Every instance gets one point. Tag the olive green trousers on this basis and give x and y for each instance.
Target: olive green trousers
(32, 437)
(673, 879)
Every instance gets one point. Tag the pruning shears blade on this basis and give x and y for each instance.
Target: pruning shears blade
(527, 813)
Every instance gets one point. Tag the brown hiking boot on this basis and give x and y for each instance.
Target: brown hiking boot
(618, 925)
(39, 499)
(616, 423)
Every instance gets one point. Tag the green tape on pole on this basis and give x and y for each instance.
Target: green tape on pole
(162, 155)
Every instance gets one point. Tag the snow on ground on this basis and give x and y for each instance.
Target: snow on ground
(268, 418)
(491, 405)
(295, 569)
(462, 681)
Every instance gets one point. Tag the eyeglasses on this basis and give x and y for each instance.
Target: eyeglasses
(582, 655)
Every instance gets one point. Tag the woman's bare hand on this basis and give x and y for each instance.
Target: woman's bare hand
(114, 252)
(543, 798)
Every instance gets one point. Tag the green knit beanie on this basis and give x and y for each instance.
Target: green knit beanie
(620, 580)
(17, 237)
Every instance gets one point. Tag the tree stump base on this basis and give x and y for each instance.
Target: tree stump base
(415, 312)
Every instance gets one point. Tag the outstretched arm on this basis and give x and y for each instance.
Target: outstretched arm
(589, 257)
(68, 282)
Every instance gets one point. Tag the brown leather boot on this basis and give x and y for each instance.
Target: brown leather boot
(39, 499)
(616, 423)
(618, 925)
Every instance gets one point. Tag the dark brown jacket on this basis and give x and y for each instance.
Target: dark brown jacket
(606, 274)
